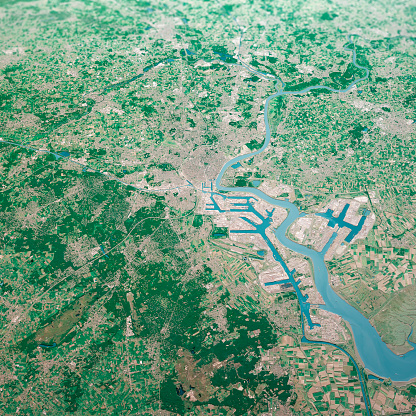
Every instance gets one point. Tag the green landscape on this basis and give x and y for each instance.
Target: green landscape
(173, 173)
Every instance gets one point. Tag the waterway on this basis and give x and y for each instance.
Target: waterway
(372, 350)
(374, 353)
(245, 205)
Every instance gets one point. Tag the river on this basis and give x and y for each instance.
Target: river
(374, 353)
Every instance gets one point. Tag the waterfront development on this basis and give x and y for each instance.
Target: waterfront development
(374, 353)
(207, 208)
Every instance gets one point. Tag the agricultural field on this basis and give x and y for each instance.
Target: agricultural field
(207, 207)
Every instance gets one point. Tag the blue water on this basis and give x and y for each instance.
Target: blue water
(237, 165)
(256, 183)
(223, 56)
(371, 377)
(47, 346)
(64, 153)
(277, 282)
(102, 249)
(332, 221)
(245, 205)
(219, 235)
(372, 350)
(261, 252)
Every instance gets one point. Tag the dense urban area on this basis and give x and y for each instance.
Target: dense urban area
(207, 207)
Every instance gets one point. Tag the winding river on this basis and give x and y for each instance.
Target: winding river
(374, 353)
